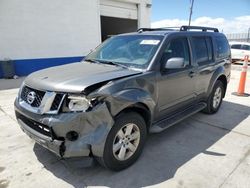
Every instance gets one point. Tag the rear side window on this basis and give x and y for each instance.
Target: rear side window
(245, 47)
(209, 48)
(222, 47)
(236, 46)
(203, 49)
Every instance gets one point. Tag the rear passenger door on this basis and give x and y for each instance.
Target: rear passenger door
(202, 48)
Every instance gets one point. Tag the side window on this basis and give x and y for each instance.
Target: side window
(245, 47)
(203, 49)
(209, 48)
(236, 46)
(222, 47)
(177, 48)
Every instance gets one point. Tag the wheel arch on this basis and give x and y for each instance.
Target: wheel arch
(141, 109)
(223, 79)
(219, 74)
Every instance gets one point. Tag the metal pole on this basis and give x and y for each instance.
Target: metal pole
(191, 11)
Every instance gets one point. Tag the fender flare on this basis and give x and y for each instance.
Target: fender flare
(131, 98)
(220, 71)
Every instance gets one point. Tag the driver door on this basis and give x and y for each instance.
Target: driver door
(176, 87)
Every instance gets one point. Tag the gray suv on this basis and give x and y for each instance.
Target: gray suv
(131, 85)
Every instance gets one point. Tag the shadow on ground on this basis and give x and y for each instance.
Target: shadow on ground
(164, 153)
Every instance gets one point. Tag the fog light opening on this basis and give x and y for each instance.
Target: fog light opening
(72, 135)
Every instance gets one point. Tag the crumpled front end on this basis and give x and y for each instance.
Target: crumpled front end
(73, 134)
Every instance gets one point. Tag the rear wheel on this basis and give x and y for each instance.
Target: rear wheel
(215, 99)
(124, 142)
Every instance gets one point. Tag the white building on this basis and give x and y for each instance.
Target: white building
(42, 33)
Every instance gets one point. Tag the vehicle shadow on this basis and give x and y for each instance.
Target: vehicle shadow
(163, 155)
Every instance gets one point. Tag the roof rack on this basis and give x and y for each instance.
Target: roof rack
(182, 28)
(140, 30)
(187, 28)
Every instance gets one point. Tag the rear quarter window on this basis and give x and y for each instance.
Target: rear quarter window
(222, 47)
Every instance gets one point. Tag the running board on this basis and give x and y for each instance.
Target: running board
(176, 118)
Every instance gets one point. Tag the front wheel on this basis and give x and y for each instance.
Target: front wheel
(215, 99)
(124, 142)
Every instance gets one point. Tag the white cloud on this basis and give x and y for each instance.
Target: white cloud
(235, 25)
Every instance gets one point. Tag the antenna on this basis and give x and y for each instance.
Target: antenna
(191, 11)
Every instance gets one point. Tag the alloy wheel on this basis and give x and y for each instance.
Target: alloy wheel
(126, 142)
(217, 97)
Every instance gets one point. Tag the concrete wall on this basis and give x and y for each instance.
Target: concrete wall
(41, 33)
(45, 28)
(144, 13)
(128, 9)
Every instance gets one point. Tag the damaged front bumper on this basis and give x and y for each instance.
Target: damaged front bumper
(51, 131)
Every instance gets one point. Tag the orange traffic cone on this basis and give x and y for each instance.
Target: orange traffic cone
(243, 76)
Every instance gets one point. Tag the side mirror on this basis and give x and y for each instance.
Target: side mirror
(175, 63)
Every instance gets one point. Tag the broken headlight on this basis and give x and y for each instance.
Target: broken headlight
(77, 103)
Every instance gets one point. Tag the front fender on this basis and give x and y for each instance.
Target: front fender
(120, 101)
(127, 98)
(123, 93)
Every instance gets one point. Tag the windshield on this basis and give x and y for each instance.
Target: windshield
(134, 51)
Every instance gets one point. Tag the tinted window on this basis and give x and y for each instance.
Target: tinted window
(209, 48)
(245, 47)
(177, 48)
(222, 47)
(236, 46)
(203, 49)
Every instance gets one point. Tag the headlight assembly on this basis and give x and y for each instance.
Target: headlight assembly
(78, 103)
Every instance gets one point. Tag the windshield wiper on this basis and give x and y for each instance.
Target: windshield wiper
(115, 64)
(106, 62)
(92, 60)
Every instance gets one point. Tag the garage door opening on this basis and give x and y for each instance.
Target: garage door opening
(112, 26)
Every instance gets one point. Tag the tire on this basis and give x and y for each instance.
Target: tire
(115, 160)
(212, 105)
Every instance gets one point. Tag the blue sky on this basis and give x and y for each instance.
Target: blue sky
(229, 16)
(170, 9)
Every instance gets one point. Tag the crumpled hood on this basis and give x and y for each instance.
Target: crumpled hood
(75, 77)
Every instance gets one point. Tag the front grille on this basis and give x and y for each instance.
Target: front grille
(38, 97)
(56, 103)
(39, 127)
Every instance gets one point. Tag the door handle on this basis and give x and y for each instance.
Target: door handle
(192, 74)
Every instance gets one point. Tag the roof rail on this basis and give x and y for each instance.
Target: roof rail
(186, 28)
(140, 30)
(182, 28)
